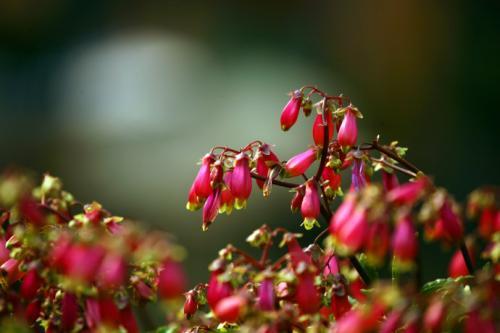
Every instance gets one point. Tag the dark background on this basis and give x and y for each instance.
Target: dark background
(121, 98)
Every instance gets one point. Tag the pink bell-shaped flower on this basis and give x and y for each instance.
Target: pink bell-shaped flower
(299, 163)
(291, 111)
(348, 131)
(241, 180)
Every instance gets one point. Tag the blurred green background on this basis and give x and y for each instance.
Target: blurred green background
(121, 98)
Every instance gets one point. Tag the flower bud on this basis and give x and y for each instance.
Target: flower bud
(408, 193)
(69, 311)
(230, 308)
(201, 184)
(452, 225)
(352, 235)
(171, 280)
(217, 290)
(291, 111)
(334, 180)
(342, 214)
(299, 163)
(457, 266)
(358, 177)
(193, 202)
(211, 208)
(112, 272)
(310, 207)
(348, 131)
(33, 311)
(190, 305)
(306, 294)
(389, 180)
(128, 321)
(434, 317)
(30, 285)
(297, 200)
(241, 180)
(377, 242)
(226, 197)
(404, 241)
(266, 295)
(318, 128)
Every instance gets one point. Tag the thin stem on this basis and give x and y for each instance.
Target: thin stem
(467, 258)
(394, 156)
(324, 151)
(393, 166)
(275, 181)
(321, 234)
(248, 258)
(46, 207)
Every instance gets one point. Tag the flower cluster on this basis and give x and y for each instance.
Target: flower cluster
(68, 267)
(338, 285)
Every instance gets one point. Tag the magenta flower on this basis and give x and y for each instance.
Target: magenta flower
(230, 309)
(389, 180)
(318, 128)
(310, 207)
(451, 222)
(306, 294)
(201, 184)
(171, 280)
(211, 208)
(291, 111)
(30, 285)
(348, 131)
(404, 241)
(299, 163)
(217, 290)
(266, 295)
(69, 311)
(112, 272)
(241, 180)
(343, 213)
(190, 305)
(358, 178)
(297, 200)
(352, 234)
(408, 193)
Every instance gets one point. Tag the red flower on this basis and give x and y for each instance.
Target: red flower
(201, 183)
(457, 266)
(230, 308)
(318, 128)
(291, 111)
(310, 207)
(297, 200)
(30, 285)
(408, 193)
(226, 197)
(389, 180)
(190, 305)
(211, 208)
(434, 316)
(299, 163)
(241, 180)
(266, 295)
(343, 213)
(452, 225)
(112, 272)
(69, 311)
(334, 179)
(172, 280)
(348, 131)
(378, 242)
(306, 295)
(352, 235)
(217, 290)
(404, 241)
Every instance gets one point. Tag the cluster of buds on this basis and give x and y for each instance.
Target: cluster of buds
(329, 288)
(68, 267)
(271, 295)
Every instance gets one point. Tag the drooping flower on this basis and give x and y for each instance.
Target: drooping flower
(30, 285)
(230, 309)
(404, 241)
(389, 180)
(334, 180)
(297, 200)
(434, 316)
(190, 305)
(343, 213)
(306, 294)
(377, 242)
(211, 208)
(310, 207)
(299, 163)
(226, 197)
(217, 290)
(241, 180)
(348, 131)
(318, 128)
(457, 266)
(201, 183)
(408, 193)
(193, 202)
(351, 235)
(291, 111)
(358, 177)
(82, 262)
(266, 295)
(112, 272)
(452, 224)
(171, 280)
(69, 311)
(128, 321)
